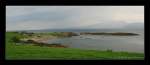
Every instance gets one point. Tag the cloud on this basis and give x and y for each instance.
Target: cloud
(61, 17)
(129, 14)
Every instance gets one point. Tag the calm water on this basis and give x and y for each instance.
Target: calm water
(104, 42)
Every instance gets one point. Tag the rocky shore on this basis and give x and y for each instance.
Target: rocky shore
(41, 39)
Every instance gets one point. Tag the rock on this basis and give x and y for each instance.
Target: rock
(69, 34)
(31, 41)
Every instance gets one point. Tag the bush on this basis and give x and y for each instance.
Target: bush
(109, 50)
(16, 39)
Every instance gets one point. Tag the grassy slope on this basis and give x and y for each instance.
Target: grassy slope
(36, 52)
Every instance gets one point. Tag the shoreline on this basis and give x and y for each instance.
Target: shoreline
(43, 38)
(27, 51)
(114, 34)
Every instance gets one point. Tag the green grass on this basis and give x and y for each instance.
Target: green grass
(30, 52)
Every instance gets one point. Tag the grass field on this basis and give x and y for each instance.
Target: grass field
(30, 52)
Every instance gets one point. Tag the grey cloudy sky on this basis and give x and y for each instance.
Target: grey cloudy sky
(72, 17)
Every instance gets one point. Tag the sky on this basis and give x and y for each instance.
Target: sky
(72, 17)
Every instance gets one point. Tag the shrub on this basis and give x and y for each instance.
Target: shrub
(16, 39)
(109, 50)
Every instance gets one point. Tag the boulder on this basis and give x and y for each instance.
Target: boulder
(69, 34)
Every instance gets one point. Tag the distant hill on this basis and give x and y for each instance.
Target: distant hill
(135, 26)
